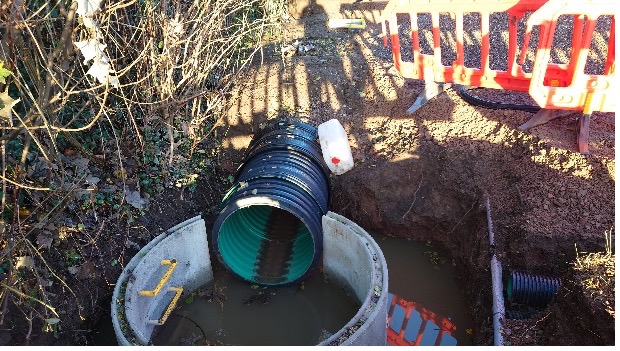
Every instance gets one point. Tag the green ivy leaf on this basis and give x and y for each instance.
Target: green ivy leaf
(4, 73)
(52, 321)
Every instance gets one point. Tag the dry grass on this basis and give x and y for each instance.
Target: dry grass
(596, 273)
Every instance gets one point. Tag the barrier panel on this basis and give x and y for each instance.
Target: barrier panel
(410, 324)
(572, 88)
(553, 86)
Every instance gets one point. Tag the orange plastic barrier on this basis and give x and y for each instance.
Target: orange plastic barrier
(576, 90)
(426, 66)
(435, 326)
(553, 86)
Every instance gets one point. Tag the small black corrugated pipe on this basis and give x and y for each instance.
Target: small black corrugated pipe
(530, 289)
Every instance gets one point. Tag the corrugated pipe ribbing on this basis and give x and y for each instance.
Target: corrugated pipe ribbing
(530, 289)
(269, 230)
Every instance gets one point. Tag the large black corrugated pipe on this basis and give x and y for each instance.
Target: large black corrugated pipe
(531, 289)
(269, 230)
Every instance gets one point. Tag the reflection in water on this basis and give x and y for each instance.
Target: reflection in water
(425, 275)
(232, 312)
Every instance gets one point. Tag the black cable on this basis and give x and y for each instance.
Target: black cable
(476, 101)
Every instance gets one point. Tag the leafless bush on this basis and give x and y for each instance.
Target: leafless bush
(175, 62)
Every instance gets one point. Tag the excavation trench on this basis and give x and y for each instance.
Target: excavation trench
(437, 218)
(420, 211)
(436, 195)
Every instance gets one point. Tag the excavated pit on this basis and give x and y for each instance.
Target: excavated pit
(434, 195)
(422, 176)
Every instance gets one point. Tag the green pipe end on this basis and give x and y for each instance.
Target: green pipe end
(245, 231)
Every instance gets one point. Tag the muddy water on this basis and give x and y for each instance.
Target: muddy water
(232, 312)
(421, 273)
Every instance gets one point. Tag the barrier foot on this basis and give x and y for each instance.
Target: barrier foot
(543, 116)
(583, 134)
(431, 89)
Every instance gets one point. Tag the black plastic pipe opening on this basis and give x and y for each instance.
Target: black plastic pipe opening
(269, 230)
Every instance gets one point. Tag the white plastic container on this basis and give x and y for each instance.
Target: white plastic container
(335, 147)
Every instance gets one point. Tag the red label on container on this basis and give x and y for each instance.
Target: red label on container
(335, 160)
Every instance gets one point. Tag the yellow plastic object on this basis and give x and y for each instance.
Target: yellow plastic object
(588, 108)
(171, 306)
(346, 23)
(164, 279)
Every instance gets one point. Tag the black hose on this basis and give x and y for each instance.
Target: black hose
(463, 92)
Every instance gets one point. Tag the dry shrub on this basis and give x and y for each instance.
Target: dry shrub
(61, 129)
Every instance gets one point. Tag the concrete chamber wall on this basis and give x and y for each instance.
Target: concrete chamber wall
(351, 259)
(131, 313)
